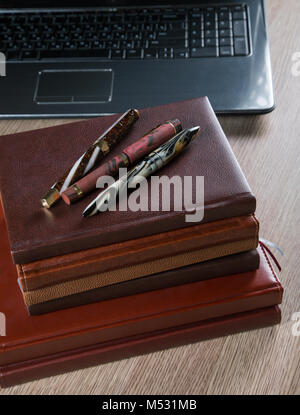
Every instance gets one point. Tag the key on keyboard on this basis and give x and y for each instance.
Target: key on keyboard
(140, 33)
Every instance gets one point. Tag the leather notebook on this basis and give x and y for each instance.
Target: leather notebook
(136, 345)
(30, 162)
(59, 296)
(28, 337)
(138, 257)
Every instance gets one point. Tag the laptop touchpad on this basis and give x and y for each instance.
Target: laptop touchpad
(74, 86)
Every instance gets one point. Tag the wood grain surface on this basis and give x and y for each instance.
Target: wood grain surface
(265, 361)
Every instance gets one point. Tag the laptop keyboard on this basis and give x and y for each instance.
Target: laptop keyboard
(154, 33)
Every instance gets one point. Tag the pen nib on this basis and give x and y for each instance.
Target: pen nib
(89, 211)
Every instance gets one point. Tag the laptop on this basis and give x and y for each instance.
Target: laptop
(89, 58)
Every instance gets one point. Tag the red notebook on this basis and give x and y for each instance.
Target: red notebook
(132, 346)
(29, 337)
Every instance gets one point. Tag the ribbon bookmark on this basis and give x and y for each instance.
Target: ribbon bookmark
(263, 243)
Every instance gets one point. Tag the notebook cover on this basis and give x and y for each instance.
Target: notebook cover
(30, 337)
(44, 301)
(112, 260)
(30, 162)
(136, 345)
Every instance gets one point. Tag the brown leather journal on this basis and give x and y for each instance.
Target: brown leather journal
(83, 357)
(61, 296)
(136, 258)
(36, 159)
(28, 337)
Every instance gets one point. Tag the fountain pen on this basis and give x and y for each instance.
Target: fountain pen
(149, 165)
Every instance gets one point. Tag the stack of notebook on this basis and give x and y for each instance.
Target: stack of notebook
(80, 291)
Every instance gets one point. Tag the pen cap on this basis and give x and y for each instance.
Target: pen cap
(177, 143)
(152, 140)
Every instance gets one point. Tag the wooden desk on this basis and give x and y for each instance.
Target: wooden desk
(260, 362)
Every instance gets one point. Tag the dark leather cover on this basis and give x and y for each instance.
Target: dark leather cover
(76, 293)
(207, 238)
(54, 298)
(30, 162)
(136, 345)
(31, 337)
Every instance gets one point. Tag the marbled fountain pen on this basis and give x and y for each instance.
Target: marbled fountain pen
(152, 163)
(127, 158)
(92, 156)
